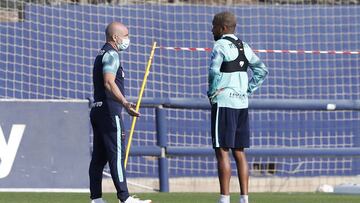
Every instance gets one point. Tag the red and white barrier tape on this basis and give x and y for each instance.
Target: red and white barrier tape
(267, 51)
(185, 49)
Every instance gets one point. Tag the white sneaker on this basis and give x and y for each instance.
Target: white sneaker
(131, 199)
(98, 200)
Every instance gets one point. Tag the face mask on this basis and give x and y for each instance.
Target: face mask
(124, 44)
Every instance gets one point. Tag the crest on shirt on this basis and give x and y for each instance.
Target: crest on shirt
(241, 63)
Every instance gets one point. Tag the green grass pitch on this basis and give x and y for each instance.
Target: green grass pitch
(181, 198)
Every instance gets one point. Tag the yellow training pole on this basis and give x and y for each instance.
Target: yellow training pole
(147, 71)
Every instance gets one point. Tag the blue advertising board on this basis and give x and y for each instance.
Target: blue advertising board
(44, 144)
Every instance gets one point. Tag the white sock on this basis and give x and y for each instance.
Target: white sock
(224, 199)
(244, 199)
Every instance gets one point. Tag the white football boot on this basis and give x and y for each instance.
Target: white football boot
(98, 200)
(131, 199)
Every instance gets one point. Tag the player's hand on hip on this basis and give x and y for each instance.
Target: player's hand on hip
(130, 108)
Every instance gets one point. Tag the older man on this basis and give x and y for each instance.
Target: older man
(228, 92)
(109, 99)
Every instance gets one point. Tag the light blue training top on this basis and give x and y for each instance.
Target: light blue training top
(232, 89)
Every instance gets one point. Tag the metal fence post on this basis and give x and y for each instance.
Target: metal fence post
(162, 142)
